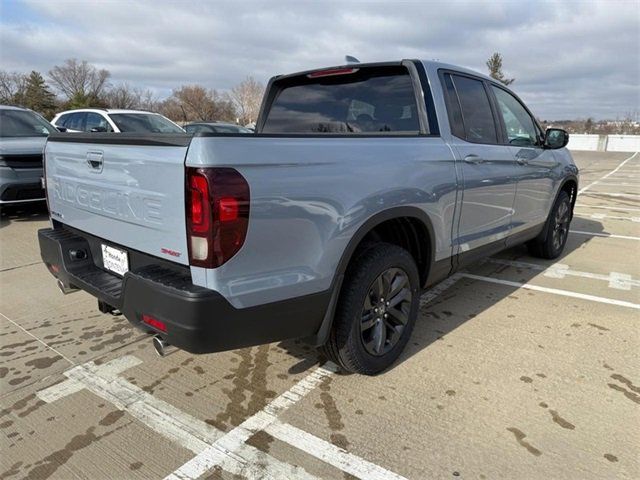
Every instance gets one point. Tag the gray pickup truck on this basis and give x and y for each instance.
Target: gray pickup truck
(363, 185)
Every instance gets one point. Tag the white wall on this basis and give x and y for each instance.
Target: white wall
(604, 143)
(583, 142)
(623, 143)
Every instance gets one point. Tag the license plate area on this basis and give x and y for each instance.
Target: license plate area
(115, 260)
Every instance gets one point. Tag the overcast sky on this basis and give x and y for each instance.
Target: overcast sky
(570, 59)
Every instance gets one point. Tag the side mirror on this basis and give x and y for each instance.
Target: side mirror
(555, 138)
(61, 129)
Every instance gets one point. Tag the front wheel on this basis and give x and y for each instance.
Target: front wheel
(376, 311)
(557, 232)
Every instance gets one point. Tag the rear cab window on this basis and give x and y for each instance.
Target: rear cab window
(358, 100)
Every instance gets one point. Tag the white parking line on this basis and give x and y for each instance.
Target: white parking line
(607, 235)
(602, 216)
(216, 453)
(607, 184)
(555, 291)
(167, 420)
(612, 194)
(584, 189)
(619, 281)
(329, 453)
(212, 446)
(626, 209)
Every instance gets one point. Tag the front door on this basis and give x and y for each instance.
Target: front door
(487, 168)
(534, 165)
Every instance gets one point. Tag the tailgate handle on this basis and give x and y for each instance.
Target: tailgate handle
(94, 160)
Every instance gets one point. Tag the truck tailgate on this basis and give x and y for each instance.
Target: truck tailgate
(126, 189)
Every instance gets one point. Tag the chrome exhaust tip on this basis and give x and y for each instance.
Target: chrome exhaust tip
(162, 347)
(65, 290)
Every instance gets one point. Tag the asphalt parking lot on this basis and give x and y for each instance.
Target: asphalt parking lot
(518, 368)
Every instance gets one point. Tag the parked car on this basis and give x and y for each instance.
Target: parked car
(23, 134)
(363, 185)
(215, 127)
(114, 120)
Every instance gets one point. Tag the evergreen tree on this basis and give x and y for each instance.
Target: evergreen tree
(37, 96)
(494, 64)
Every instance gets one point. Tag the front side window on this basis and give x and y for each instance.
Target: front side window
(144, 123)
(521, 130)
(365, 100)
(23, 123)
(62, 121)
(477, 117)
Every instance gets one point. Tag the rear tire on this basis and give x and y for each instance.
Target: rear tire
(370, 331)
(557, 230)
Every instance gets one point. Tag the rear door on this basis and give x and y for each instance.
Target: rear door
(534, 165)
(488, 168)
(126, 189)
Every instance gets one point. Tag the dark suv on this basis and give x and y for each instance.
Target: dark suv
(23, 134)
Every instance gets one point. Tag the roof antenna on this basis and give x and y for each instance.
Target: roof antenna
(350, 59)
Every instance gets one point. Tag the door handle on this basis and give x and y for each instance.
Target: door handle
(94, 160)
(474, 159)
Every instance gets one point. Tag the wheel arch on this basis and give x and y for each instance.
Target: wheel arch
(569, 184)
(368, 230)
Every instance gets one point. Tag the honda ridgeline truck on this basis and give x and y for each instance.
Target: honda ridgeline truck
(362, 185)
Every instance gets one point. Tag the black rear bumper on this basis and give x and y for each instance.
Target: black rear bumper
(197, 319)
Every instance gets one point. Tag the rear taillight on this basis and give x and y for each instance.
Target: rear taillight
(217, 215)
(154, 322)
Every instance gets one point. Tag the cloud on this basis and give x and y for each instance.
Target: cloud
(570, 59)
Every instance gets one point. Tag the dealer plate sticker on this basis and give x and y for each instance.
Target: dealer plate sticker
(115, 259)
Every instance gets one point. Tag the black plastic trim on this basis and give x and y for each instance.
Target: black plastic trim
(435, 270)
(547, 223)
(197, 319)
(432, 118)
(114, 138)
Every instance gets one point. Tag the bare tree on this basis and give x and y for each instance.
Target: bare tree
(196, 103)
(12, 86)
(494, 64)
(79, 82)
(123, 96)
(148, 101)
(247, 97)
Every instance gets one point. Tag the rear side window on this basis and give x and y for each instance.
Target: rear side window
(366, 100)
(477, 117)
(76, 121)
(97, 123)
